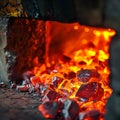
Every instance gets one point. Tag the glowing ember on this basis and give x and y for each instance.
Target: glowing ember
(80, 74)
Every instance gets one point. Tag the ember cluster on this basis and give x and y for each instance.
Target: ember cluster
(66, 96)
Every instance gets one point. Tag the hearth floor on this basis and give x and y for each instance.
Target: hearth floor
(18, 106)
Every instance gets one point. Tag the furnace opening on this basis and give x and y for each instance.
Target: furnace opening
(67, 64)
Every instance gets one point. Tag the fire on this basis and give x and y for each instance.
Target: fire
(80, 72)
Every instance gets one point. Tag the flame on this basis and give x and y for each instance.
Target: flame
(84, 48)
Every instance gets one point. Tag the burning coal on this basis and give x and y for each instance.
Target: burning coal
(74, 81)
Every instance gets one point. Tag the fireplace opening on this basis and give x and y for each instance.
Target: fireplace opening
(44, 59)
(66, 64)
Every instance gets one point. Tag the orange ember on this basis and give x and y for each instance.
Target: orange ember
(77, 65)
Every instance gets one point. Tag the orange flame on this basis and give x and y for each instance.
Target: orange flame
(84, 48)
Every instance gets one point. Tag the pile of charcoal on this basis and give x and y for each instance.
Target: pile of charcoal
(56, 99)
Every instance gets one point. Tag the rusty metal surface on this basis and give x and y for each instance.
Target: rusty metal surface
(25, 41)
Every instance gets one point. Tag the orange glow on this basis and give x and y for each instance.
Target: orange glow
(76, 27)
(87, 50)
